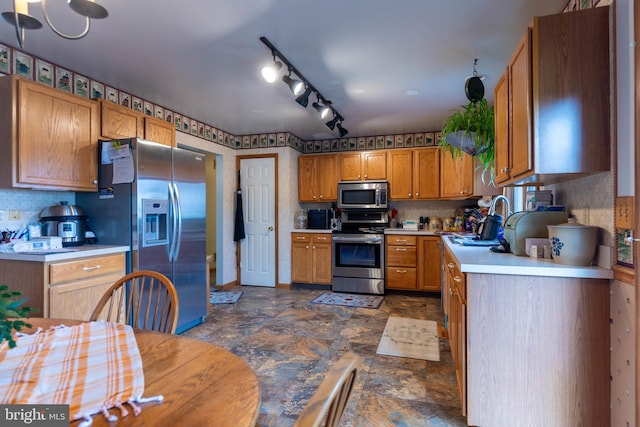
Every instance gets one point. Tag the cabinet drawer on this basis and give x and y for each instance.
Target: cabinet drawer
(300, 237)
(401, 240)
(86, 268)
(401, 256)
(321, 238)
(401, 278)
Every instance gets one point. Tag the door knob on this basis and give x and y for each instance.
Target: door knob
(632, 239)
(270, 228)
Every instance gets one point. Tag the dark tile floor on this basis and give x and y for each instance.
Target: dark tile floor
(291, 343)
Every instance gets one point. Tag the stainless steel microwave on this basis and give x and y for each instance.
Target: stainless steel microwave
(362, 194)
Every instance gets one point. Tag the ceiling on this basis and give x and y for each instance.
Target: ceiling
(388, 67)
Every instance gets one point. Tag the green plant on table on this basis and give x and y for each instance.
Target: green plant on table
(10, 314)
(472, 131)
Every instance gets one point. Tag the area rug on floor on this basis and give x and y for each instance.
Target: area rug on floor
(221, 297)
(413, 338)
(349, 300)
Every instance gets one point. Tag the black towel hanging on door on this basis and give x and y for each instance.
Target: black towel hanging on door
(238, 233)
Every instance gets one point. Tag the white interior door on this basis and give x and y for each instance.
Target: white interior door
(258, 249)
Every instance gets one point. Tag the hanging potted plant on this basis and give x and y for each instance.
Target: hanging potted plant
(10, 314)
(471, 130)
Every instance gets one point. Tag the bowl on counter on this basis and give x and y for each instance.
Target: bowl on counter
(572, 243)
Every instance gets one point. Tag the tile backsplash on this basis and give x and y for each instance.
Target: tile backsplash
(28, 203)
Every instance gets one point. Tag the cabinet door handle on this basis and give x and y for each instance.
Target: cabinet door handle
(401, 240)
(321, 238)
(452, 292)
(457, 279)
(321, 196)
(451, 265)
(417, 194)
(95, 267)
(401, 249)
(401, 271)
(313, 247)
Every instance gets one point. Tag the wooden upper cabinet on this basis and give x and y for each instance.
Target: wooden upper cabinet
(400, 174)
(48, 137)
(123, 122)
(317, 178)
(360, 166)
(456, 176)
(413, 173)
(160, 131)
(118, 121)
(557, 100)
(426, 173)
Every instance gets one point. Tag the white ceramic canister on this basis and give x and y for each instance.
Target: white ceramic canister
(572, 243)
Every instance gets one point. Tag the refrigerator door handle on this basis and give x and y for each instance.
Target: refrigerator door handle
(178, 233)
(174, 223)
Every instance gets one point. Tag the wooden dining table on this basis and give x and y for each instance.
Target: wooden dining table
(202, 384)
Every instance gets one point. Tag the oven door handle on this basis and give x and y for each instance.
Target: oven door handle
(358, 239)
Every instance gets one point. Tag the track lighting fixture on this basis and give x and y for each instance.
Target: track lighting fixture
(270, 72)
(304, 98)
(301, 87)
(22, 21)
(332, 123)
(295, 85)
(322, 109)
(341, 130)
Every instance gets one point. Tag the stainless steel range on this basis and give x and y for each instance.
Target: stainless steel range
(358, 252)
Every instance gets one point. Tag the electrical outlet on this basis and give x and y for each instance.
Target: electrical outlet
(14, 215)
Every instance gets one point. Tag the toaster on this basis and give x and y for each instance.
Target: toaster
(522, 225)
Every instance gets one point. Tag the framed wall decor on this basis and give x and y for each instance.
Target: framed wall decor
(429, 139)
(177, 121)
(148, 108)
(399, 141)
(168, 116)
(408, 140)
(159, 113)
(5, 59)
(97, 90)
(23, 64)
(125, 100)
(379, 142)
(201, 130)
(111, 94)
(44, 72)
(194, 127)
(186, 124)
(418, 139)
(246, 141)
(81, 85)
(137, 104)
(64, 78)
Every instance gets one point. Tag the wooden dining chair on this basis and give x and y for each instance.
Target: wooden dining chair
(143, 299)
(327, 405)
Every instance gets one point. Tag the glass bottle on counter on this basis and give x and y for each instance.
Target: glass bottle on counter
(300, 219)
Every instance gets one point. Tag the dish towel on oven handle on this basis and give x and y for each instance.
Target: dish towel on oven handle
(92, 367)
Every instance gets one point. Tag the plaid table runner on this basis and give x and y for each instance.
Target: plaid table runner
(92, 367)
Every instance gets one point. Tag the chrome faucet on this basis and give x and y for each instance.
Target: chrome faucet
(492, 209)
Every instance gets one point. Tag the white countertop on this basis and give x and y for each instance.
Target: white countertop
(66, 254)
(474, 259)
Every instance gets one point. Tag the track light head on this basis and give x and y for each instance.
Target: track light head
(304, 98)
(270, 72)
(341, 130)
(331, 124)
(296, 86)
(322, 109)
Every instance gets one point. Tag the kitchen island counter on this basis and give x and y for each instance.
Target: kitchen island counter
(68, 253)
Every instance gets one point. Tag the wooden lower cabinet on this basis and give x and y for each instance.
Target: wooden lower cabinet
(429, 268)
(413, 262)
(311, 258)
(401, 262)
(529, 350)
(64, 289)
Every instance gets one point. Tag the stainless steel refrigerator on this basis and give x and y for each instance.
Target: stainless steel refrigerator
(158, 210)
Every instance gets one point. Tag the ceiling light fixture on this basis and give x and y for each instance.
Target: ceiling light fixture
(22, 21)
(341, 130)
(322, 109)
(332, 123)
(270, 72)
(296, 86)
